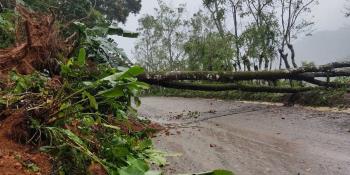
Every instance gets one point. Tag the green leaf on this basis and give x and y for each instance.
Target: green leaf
(120, 151)
(129, 73)
(82, 56)
(141, 85)
(88, 121)
(136, 167)
(113, 93)
(92, 100)
(113, 77)
(135, 71)
(73, 137)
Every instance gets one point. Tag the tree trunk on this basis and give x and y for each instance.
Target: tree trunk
(307, 74)
(238, 54)
(229, 87)
(284, 58)
(292, 51)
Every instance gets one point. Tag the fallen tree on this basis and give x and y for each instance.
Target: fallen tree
(306, 74)
(228, 87)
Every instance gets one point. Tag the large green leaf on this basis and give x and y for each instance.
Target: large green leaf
(113, 93)
(137, 167)
(129, 73)
(135, 71)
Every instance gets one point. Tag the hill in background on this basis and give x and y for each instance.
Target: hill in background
(324, 46)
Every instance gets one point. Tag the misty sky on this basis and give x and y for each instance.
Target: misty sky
(328, 15)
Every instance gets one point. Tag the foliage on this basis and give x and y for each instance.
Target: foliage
(210, 53)
(87, 11)
(262, 31)
(7, 28)
(205, 48)
(162, 38)
(260, 42)
(102, 48)
(118, 9)
(83, 125)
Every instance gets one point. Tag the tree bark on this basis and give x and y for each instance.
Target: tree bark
(284, 58)
(307, 74)
(229, 87)
(234, 16)
(292, 51)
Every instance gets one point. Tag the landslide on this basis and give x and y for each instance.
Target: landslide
(37, 44)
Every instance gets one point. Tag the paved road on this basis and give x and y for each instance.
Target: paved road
(250, 139)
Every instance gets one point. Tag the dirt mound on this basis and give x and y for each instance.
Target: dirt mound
(17, 159)
(134, 126)
(37, 43)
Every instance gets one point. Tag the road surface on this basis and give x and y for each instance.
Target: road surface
(249, 138)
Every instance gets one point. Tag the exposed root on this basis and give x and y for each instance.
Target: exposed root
(39, 47)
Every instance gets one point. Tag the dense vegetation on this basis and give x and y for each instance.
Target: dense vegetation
(79, 108)
(231, 35)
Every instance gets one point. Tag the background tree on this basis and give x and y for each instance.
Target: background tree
(260, 43)
(236, 10)
(167, 31)
(259, 36)
(88, 11)
(117, 9)
(206, 49)
(293, 22)
(217, 12)
(147, 46)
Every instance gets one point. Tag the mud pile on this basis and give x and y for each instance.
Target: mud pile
(37, 44)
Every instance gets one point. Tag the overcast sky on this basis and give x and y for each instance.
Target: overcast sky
(328, 15)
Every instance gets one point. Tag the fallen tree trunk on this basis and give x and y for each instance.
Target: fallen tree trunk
(306, 74)
(231, 77)
(228, 87)
(225, 77)
(323, 68)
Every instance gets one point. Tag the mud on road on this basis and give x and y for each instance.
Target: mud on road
(250, 139)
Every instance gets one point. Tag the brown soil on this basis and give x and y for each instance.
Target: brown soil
(15, 158)
(134, 125)
(37, 42)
